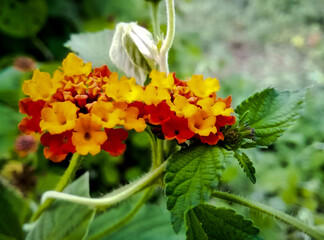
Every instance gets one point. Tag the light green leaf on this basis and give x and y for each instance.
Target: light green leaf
(92, 47)
(208, 222)
(13, 212)
(22, 18)
(10, 86)
(191, 175)
(152, 222)
(270, 113)
(133, 50)
(64, 220)
(247, 165)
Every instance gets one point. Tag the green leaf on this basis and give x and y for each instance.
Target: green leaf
(247, 165)
(64, 220)
(133, 51)
(22, 18)
(13, 212)
(92, 47)
(208, 222)
(270, 113)
(152, 222)
(191, 175)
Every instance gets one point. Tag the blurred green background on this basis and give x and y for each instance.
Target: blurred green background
(247, 44)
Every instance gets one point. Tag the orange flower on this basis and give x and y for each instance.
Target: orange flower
(202, 123)
(132, 121)
(106, 114)
(88, 136)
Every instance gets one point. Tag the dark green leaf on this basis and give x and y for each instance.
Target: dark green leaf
(208, 222)
(191, 175)
(13, 212)
(247, 165)
(22, 18)
(270, 113)
(64, 220)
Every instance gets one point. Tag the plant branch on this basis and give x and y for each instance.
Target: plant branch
(311, 231)
(155, 20)
(114, 197)
(167, 43)
(42, 47)
(64, 181)
(125, 219)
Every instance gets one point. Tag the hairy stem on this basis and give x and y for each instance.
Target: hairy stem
(114, 197)
(167, 43)
(64, 181)
(311, 231)
(126, 218)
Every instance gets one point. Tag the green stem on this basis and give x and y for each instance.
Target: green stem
(42, 47)
(153, 147)
(167, 43)
(311, 231)
(64, 181)
(125, 219)
(159, 152)
(114, 197)
(155, 20)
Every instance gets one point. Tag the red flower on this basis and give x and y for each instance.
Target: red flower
(57, 145)
(177, 128)
(222, 121)
(140, 106)
(113, 145)
(33, 109)
(212, 139)
(158, 114)
(102, 71)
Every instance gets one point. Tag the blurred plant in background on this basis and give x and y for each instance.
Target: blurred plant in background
(248, 44)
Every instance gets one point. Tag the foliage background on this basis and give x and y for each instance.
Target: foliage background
(247, 44)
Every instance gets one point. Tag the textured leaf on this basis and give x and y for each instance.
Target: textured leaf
(92, 47)
(247, 165)
(64, 220)
(191, 175)
(22, 18)
(270, 113)
(208, 222)
(133, 51)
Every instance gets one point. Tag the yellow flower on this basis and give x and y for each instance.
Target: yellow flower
(159, 79)
(203, 88)
(73, 65)
(202, 123)
(154, 95)
(40, 87)
(132, 121)
(88, 136)
(58, 118)
(106, 114)
(123, 90)
(182, 107)
(214, 108)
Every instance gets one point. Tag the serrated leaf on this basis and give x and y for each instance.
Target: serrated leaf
(22, 18)
(191, 175)
(133, 51)
(92, 47)
(64, 220)
(247, 165)
(270, 113)
(206, 222)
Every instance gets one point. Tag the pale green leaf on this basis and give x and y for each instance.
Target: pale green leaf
(152, 222)
(270, 113)
(191, 175)
(92, 47)
(208, 222)
(247, 165)
(64, 220)
(133, 51)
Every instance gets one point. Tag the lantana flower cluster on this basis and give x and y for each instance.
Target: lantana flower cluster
(85, 111)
